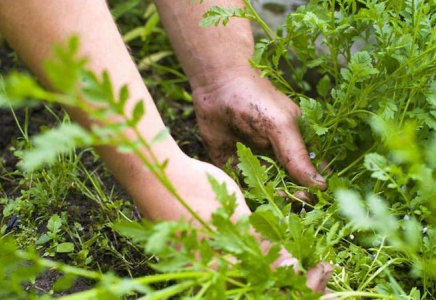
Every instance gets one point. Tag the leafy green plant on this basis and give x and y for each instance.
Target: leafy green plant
(368, 102)
(251, 273)
(54, 236)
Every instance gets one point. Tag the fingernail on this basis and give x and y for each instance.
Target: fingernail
(319, 178)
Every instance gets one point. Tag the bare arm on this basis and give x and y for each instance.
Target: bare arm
(233, 103)
(32, 27)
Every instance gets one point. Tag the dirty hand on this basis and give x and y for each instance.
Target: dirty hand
(247, 108)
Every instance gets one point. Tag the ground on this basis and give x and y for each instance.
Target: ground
(80, 208)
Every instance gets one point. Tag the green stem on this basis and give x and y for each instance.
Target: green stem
(141, 280)
(170, 291)
(268, 31)
(344, 295)
(61, 267)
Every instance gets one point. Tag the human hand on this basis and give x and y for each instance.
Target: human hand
(190, 179)
(245, 107)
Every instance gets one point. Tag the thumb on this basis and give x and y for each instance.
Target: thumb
(290, 150)
(318, 277)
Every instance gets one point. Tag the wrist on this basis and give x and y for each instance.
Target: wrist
(211, 79)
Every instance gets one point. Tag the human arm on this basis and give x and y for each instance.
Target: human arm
(32, 27)
(233, 103)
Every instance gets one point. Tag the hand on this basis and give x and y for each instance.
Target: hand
(317, 277)
(245, 107)
(190, 178)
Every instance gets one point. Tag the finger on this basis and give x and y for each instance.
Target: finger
(318, 277)
(286, 260)
(290, 150)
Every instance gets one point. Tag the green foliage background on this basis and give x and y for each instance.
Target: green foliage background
(371, 114)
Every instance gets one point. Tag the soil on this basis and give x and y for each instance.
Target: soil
(183, 129)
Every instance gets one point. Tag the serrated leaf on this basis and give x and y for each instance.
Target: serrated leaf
(228, 202)
(48, 145)
(378, 165)
(265, 222)
(220, 15)
(313, 113)
(255, 175)
(302, 241)
(20, 89)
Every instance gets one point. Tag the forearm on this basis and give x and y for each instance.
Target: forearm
(32, 27)
(206, 52)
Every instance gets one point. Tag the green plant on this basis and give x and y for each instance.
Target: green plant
(224, 238)
(371, 114)
(54, 236)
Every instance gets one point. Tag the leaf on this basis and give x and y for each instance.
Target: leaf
(162, 135)
(43, 239)
(133, 34)
(150, 60)
(361, 66)
(133, 230)
(228, 237)
(255, 175)
(66, 70)
(123, 97)
(54, 224)
(259, 50)
(382, 220)
(64, 282)
(158, 239)
(150, 25)
(48, 145)
(378, 165)
(65, 248)
(353, 208)
(387, 109)
(302, 241)
(313, 113)
(20, 89)
(124, 7)
(265, 222)
(323, 86)
(99, 92)
(217, 15)
(228, 202)
(138, 112)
